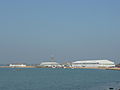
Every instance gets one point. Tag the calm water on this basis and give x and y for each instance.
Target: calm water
(58, 79)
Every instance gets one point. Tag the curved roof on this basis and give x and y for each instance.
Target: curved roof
(95, 61)
(44, 63)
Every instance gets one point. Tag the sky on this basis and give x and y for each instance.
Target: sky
(32, 31)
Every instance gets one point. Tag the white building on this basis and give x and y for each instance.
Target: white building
(93, 63)
(17, 65)
(50, 64)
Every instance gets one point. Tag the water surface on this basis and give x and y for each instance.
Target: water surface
(58, 79)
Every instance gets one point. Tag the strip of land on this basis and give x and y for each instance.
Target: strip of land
(107, 68)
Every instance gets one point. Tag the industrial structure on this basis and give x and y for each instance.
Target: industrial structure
(93, 63)
(50, 64)
(17, 65)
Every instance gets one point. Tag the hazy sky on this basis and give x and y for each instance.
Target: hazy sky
(32, 31)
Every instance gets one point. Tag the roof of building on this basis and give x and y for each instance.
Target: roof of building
(48, 63)
(17, 64)
(94, 61)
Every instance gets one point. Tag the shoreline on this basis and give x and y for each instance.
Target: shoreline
(106, 68)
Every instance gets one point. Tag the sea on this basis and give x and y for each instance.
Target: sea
(58, 79)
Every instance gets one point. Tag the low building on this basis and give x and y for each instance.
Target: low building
(17, 65)
(66, 64)
(93, 63)
(50, 64)
(117, 65)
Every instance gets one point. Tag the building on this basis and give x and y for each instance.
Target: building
(93, 63)
(66, 64)
(17, 65)
(50, 64)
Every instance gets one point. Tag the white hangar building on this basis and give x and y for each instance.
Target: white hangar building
(50, 64)
(93, 63)
(17, 65)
